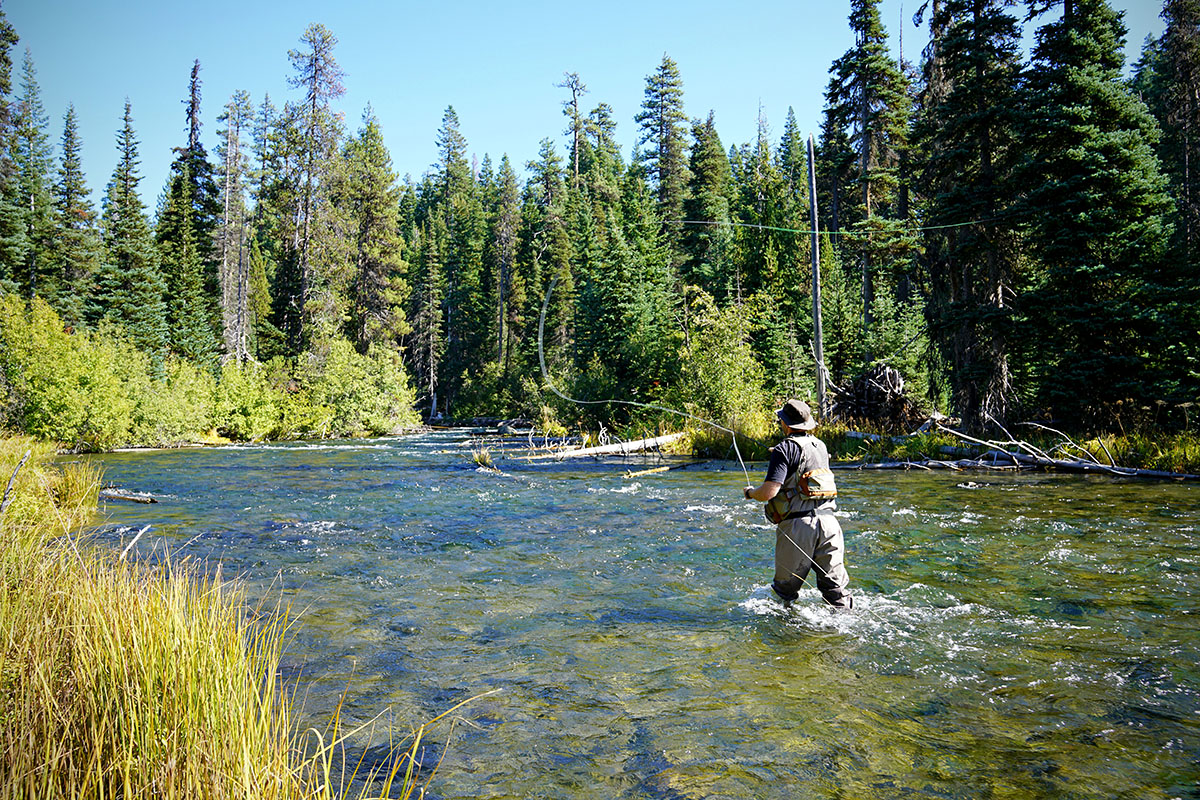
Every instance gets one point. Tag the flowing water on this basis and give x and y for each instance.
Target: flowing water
(1015, 636)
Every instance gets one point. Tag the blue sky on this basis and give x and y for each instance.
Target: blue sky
(496, 63)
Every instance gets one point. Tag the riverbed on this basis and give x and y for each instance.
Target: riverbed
(1030, 635)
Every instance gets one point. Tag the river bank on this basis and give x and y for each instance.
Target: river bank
(124, 678)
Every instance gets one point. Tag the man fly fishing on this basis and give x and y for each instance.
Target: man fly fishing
(799, 493)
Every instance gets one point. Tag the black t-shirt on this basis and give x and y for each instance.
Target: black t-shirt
(790, 455)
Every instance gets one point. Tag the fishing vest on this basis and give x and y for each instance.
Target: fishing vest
(801, 489)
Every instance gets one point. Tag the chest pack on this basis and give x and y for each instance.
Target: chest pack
(800, 489)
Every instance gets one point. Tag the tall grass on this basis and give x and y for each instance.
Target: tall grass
(133, 681)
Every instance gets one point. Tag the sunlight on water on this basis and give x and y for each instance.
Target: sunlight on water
(1013, 636)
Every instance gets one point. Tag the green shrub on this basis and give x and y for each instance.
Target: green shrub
(350, 394)
(97, 391)
(173, 409)
(114, 371)
(245, 407)
(720, 379)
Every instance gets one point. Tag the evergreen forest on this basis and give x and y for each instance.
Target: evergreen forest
(1015, 233)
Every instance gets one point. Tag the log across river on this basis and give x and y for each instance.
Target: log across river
(1025, 635)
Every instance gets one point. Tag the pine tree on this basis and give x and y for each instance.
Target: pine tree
(32, 159)
(76, 249)
(1096, 214)
(278, 140)
(370, 198)
(793, 162)
(760, 203)
(708, 237)
(840, 312)
(835, 175)
(545, 254)
(1180, 65)
(664, 131)
(233, 233)
(1180, 153)
(317, 73)
(795, 246)
(867, 97)
(458, 205)
(427, 342)
(628, 305)
(185, 234)
(189, 324)
(966, 134)
(130, 287)
(602, 164)
(13, 242)
(577, 88)
(505, 227)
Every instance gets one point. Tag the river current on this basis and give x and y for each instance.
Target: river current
(1014, 636)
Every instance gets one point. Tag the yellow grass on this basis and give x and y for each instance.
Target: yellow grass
(134, 681)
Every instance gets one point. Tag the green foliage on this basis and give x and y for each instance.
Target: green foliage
(245, 407)
(130, 288)
(347, 393)
(720, 379)
(781, 340)
(1179, 452)
(93, 391)
(97, 390)
(176, 408)
(900, 338)
(1097, 221)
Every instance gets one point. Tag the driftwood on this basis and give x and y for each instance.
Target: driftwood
(997, 458)
(113, 493)
(653, 470)
(620, 448)
(876, 395)
(8, 495)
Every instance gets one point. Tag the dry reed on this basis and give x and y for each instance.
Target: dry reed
(122, 680)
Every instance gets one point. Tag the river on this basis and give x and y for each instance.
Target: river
(1028, 635)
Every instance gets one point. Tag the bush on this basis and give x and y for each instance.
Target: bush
(349, 394)
(96, 391)
(176, 408)
(721, 381)
(245, 407)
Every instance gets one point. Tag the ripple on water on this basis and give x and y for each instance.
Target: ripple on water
(1026, 637)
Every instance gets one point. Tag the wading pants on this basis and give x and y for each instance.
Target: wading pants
(811, 542)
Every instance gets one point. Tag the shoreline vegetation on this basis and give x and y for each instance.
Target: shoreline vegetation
(95, 391)
(127, 679)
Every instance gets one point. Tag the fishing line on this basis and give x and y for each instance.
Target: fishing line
(845, 233)
(652, 406)
(733, 435)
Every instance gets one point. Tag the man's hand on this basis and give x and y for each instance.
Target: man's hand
(746, 492)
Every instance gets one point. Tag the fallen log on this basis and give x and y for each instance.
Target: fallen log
(1066, 465)
(620, 448)
(653, 470)
(124, 494)
(930, 465)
